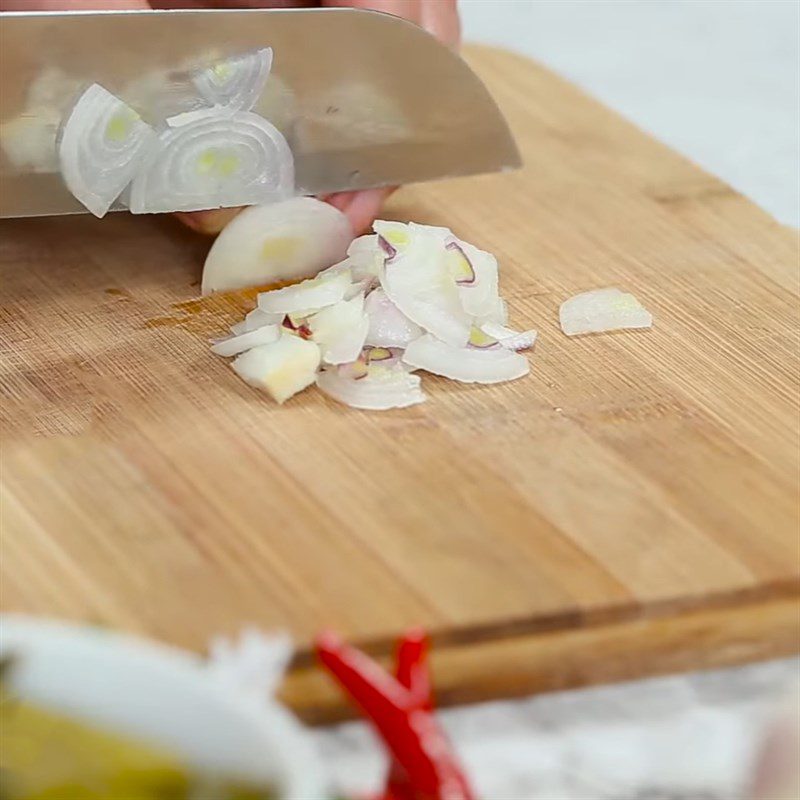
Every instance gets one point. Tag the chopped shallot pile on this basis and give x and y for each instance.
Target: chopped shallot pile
(407, 298)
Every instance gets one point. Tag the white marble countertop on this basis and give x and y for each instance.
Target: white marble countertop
(718, 80)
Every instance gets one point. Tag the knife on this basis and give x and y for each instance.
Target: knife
(365, 99)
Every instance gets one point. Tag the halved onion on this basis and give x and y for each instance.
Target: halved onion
(508, 338)
(314, 293)
(377, 388)
(417, 280)
(282, 368)
(466, 364)
(388, 326)
(256, 319)
(104, 143)
(281, 241)
(340, 330)
(236, 83)
(215, 161)
(233, 345)
(602, 310)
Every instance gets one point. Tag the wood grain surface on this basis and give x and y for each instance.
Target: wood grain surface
(630, 507)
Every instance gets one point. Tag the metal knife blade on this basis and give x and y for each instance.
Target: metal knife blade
(365, 99)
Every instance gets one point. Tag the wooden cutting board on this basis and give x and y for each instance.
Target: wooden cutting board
(631, 507)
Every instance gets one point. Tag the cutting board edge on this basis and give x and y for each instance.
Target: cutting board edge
(697, 639)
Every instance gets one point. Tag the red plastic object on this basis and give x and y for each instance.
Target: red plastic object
(423, 765)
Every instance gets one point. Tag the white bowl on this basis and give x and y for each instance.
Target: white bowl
(161, 695)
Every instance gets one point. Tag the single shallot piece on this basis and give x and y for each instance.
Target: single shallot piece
(602, 310)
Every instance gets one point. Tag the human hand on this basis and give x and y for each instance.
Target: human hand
(439, 17)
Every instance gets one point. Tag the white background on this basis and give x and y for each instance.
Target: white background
(718, 80)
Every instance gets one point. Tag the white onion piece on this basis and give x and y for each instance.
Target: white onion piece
(236, 83)
(417, 280)
(281, 241)
(314, 293)
(256, 319)
(377, 389)
(215, 161)
(104, 144)
(340, 330)
(602, 310)
(233, 345)
(282, 368)
(466, 364)
(388, 326)
(365, 257)
(508, 338)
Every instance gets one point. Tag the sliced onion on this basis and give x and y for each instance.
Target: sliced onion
(233, 345)
(498, 313)
(417, 280)
(256, 319)
(314, 293)
(236, 83)
(381, 388)
(365, 258)
(282, 368)
(340, 330)
(602, 310)
(104, 143)
(388, 326)
(469, 365)
(475, 272)
(508, 338)
(215, 161)
(282, 241)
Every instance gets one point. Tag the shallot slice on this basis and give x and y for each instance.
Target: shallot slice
(381, 388)
(388, 326)
(508, 338)
(236, 83)
(417, 280)
(215, 161)
(233, 345)
(282, 368)
(104, 143)
(340, 330)
(601, 310)
(468, 364)
(281, 241)
(314, 293)
(256, 319)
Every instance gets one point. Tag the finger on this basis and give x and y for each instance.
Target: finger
(210, 222)
(361, 208)
(407, 9)
(440, 17)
